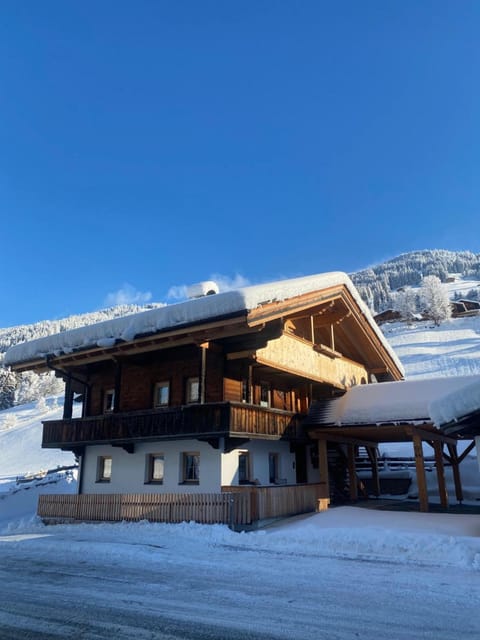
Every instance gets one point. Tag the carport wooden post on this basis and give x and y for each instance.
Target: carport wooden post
(452, 449)
(372, 453)
(323, 466)
(420, 468)
(442, 487)
(352, 473)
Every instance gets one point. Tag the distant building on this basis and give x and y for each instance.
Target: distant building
(389, 315)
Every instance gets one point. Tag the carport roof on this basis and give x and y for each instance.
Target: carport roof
(436, 401)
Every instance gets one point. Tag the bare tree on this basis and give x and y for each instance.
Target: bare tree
(436, 300)
(405, 302)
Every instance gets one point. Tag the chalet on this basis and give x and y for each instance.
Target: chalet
(470, 305)
(458, 308)
(199, 405)
(388, 315)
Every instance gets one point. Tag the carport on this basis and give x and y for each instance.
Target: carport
(416, 411)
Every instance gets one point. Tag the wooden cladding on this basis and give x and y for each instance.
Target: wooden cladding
(194, 421)
(298, 357)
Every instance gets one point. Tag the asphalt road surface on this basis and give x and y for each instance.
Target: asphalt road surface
(226, 592)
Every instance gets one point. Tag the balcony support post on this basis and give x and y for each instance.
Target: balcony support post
(118, 386)
(68, 401)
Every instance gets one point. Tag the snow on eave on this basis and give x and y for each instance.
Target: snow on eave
(456, 405)
(194, 311)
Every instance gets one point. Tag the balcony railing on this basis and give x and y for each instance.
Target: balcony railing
(194, 421)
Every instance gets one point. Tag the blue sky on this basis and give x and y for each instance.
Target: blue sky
(149, 144)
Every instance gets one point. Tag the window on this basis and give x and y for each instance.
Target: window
(154, 468)
(161, 396)
(192, 390)
(109, 401)
(104, 469)
(273, 474)
(264, 394)
(191, 467)
(243, 467)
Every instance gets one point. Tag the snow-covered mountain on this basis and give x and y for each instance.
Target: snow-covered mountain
(377, 283)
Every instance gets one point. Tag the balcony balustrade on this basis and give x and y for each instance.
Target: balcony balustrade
(210, 420)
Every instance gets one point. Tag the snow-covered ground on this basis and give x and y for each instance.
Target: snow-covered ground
(452, 349)
(21, 437)
(343, 574)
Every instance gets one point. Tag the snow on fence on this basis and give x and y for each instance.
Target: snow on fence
(205, 508)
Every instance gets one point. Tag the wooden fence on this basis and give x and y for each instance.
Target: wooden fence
(235, 506)
(281, 501)
(206, 508)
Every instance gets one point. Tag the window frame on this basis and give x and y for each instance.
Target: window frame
(104, 471)
(161, 385)
(247, 468)
(273, 465)
(150, 468)
(185, 455)
(189, 385)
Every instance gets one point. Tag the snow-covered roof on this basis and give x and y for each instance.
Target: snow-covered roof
(433, 400)
(456, 404)
(127, 328)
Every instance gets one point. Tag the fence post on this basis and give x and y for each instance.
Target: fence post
(231, 501)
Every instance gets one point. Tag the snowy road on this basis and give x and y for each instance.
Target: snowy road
(160, 581)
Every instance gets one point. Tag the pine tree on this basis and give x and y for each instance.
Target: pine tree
(8, 383)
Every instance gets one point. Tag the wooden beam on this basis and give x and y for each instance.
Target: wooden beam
(331, 437)
(332, 317)
(68, 400)
(352, 473)
(376, 370)
(239, 355)
(452, 448)
(420, 469)
(430, 435)
(372, 453)
(462, 457)
(442, 486)
(323, 466)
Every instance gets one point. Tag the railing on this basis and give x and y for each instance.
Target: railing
(207, 420)
(205, 508)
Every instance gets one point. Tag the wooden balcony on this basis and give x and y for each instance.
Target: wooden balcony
(223, 419)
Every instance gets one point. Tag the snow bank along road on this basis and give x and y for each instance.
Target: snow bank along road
(190, 581)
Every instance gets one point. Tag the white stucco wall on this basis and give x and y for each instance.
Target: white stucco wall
(216, 469)
(128, 469)
(259, 450)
